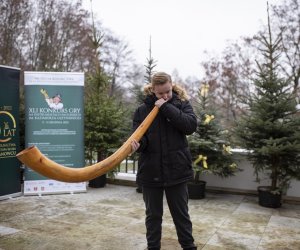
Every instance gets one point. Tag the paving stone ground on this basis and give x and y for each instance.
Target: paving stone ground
(112, 218)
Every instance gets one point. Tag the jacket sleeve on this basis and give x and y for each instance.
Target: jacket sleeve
(137, 120)
(183, 119)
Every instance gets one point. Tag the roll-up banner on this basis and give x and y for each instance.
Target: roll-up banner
(10, 180)
(54, 121)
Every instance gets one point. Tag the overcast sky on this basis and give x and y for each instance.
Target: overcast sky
(180, 29)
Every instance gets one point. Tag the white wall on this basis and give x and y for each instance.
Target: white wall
(246, 179)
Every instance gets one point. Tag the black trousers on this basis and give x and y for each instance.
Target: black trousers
(177, 199)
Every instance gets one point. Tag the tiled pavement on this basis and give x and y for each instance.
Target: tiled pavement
(112, 218)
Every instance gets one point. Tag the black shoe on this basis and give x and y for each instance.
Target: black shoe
(139, 190)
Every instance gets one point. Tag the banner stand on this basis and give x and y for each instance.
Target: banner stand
(10, 171)
(54, 118)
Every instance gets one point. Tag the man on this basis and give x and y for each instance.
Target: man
(165, 163)
(55, 102)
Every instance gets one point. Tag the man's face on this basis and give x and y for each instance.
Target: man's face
(163, 91)
(56, 99)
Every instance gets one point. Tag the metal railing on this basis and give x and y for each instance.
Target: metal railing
(129, 165)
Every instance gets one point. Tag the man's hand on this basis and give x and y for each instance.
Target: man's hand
(134, 146)
(160, 102)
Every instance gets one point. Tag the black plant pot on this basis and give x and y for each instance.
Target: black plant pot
(139, 189)
(98, 182)
(268, 199)
(196, 190)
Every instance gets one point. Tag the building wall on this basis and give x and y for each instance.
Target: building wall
(245, 180)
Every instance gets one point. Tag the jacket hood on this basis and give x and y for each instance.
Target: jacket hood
(180, 91)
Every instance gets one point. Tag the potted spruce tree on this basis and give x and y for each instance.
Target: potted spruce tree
(210, 145)
(270, 127)
(104, 124)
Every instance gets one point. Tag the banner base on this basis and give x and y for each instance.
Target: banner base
(43, 187)
(10, 196)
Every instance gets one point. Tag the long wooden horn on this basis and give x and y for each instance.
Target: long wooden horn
(33, 158)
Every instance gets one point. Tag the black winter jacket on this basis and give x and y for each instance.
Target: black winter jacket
(165, 158)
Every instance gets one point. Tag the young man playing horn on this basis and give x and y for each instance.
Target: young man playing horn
(165, 163)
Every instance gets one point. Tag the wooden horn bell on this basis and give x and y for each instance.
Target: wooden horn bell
(33, 158)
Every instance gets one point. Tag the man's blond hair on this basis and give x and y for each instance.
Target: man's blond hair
(160, 78)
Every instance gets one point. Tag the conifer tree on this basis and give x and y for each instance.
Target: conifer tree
(149, 67)
(270, 128)
(210, 145)
(104, 114)
(151, 64)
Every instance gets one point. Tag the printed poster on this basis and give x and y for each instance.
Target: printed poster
(54, 116)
